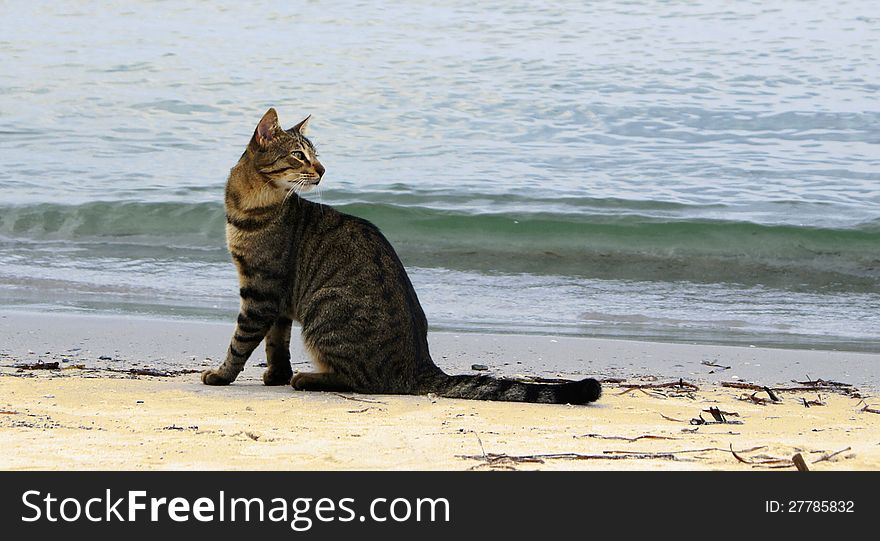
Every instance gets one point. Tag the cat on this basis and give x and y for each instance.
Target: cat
(340, 279)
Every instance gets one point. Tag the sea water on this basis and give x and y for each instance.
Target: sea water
(689, 171)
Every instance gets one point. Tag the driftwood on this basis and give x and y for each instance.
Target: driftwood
(493, 459)
(175, 427)
(867, 409)
(355, 399)
(37, 366)
(822, 383)
(753, 398)
(649, 388)
(771, 394)
(505, 460)
(799, 461)
(825, 457)
(741, 385)
(681, 384)
(624, 438)
(714, 410)
(752, 387)
(713, 364)
(363, 410)
(155, 372)
(803, 386)
(718, 415)
(131, 371)
(146, 372)
(768, 462)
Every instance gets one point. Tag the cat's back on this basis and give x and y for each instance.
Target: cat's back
(345, 255)
(331, 238)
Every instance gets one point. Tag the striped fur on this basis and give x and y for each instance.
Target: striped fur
(340, 279)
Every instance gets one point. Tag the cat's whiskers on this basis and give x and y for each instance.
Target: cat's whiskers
(288, 194)
(320, 197)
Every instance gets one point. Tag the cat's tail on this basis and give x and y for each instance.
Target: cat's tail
(489, 388)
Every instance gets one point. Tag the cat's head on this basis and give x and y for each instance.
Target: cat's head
(285, 158)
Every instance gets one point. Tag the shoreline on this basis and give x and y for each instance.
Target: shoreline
(126, 395)
(124, 342)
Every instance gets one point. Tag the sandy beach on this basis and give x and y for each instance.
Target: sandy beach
(126, 396)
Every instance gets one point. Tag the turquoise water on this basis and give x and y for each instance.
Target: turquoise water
(695, 171)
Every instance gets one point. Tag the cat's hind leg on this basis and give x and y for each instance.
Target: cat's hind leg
(319, 381)
(279, 371)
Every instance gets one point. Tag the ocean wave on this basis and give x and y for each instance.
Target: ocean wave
(633, 244)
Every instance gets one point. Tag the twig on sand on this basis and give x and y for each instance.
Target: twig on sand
(649, 388)
(755, 399)
(713, 364)
(803, 386)
(831, 386)
(480, 441)
(494, 460)
(799, 461)
(624, 438)
(643, 391)
(175, 427)
(155, 372)
(736, 456)
(145, 372)
(55, 365)
(741, 385)
(668, 418)
(37, 366)
(368, 408)
(718, 415)
(822, 383)
(678, 384)
(753, 387)
(825, 457)
(367, 400)
(503, 459)
(715, 411)
(769, 462)
(867, 409)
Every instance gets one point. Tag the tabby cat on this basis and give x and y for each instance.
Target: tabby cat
(340, 279)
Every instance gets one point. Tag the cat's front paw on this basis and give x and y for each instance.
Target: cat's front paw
(214, 377)
(277, 377)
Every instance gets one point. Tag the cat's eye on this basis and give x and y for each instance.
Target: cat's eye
(298, 155)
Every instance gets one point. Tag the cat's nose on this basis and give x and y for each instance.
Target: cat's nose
(320, 170)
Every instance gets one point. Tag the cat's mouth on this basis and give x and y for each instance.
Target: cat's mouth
(302, 185)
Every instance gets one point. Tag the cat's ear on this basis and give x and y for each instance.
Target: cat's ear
(301, 127)
(267, 128)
